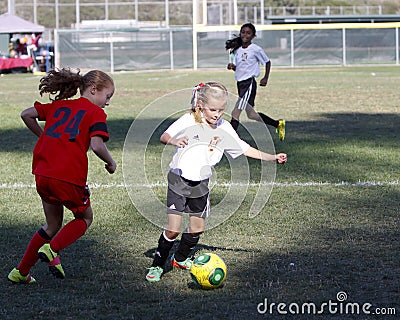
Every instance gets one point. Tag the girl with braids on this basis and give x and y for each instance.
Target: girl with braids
(246, 63)
(60, 162)
(200, 136)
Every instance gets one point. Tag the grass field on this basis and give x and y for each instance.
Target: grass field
(331, 224)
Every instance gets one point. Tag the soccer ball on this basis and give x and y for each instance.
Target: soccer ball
(208, 271)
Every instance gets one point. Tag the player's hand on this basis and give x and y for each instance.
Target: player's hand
(281, 158)
(181, 142)
(231, 66)
(263, 82)
(111, 167)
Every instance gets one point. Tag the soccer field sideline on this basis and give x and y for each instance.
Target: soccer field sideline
(227, 184)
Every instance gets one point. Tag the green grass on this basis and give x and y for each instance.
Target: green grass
(312, 239)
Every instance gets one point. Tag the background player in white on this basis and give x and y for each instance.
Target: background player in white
(201, 137)
(246, 63)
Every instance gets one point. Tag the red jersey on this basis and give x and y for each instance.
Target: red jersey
(61, 151)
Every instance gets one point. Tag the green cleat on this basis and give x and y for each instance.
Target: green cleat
(46, 254)
(186, 264)
(154, 274)
(281, 129)
(16, 277)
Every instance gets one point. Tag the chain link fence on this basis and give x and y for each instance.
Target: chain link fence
(172, 48)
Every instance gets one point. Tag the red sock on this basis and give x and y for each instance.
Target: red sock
(31, 253)
(71, 232)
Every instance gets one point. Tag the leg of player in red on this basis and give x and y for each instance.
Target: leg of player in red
(71, 232)
(43, 246)
(20, 274)
(54, 217)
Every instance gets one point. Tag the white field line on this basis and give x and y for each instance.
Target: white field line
(227, 184)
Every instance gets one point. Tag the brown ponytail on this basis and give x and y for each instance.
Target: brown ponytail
(66, 82)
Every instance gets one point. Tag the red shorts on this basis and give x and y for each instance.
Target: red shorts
(75, 198)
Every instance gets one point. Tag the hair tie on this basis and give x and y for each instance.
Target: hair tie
(194, 94)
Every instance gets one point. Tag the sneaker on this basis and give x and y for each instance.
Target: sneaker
(16, 277)
(154, 274)
(281, 129)
(186, 264)
(46, 254)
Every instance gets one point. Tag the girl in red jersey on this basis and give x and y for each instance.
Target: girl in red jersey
(60, 162)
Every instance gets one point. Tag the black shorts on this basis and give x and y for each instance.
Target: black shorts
(247, 90)
(187, 196)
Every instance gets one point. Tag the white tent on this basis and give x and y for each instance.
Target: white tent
(13, 24)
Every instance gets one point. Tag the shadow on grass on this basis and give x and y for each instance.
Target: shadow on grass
(354, 252)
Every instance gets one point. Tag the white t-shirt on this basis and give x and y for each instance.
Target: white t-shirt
(248, 61)
(205, 146)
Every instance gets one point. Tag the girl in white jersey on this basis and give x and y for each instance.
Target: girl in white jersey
(246, 63)
(201, 137)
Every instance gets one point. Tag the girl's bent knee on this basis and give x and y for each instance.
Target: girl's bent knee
(171, 234)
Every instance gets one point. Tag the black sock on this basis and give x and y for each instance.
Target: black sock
(235, 124)
(43, 234)
(162, 252)
(187, 244)
(269, 121)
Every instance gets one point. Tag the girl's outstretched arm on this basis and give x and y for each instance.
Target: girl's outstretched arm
(257, 154)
